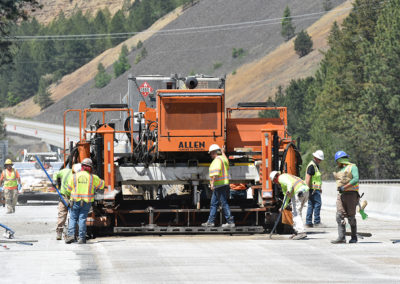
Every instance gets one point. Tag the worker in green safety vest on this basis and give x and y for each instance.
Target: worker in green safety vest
(348, 198)
(11, 182)
(295, 189)
(82, 187)
(62, 178)
(219, 184)
(314, 181)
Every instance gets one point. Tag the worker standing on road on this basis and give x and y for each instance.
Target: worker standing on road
(314, 182)
(11, 184)
(295, 189)
(82, 186)
(63, 177)
(219, 184)
(347, 199)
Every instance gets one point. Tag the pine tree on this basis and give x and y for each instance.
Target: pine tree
(287, 27)
(303, 44)
(42, 98)
(117, 25)
(102, 78)
(122, 64)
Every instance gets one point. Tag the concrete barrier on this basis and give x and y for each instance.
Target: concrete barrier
(383, 199)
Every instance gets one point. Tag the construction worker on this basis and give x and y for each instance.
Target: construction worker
(347, 200)
(295, 189)
(11, 185)
(82, 187)
(62, 178)
(238, 191)
(219, 184)
(314, 182)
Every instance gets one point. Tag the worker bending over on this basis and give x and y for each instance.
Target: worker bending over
(347, 199)
(219, 184)
(295, 189)
(82, 187)
(62, 177)
(11, 182)
(314, 182)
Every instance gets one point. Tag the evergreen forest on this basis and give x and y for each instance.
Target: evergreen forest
(352, 103)
(39, 61)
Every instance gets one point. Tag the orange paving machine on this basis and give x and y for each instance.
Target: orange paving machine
(152, 152)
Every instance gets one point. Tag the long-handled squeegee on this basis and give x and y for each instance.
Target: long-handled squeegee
(62, 199)
(279, 217)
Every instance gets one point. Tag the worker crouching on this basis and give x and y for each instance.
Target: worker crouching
(295, 189)
(82, 187)
(219, 184)
(348, 197)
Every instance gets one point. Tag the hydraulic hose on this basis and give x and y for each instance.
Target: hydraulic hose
(52, 183)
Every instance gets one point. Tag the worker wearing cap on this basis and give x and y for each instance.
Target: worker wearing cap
(347, 200)
(11, 185)
(82, 187)
(314, 182)
(295, 189)
(219, 184)
(62, 178)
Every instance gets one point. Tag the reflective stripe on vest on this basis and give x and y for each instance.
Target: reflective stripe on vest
(10, 181)
(348, 170)
(298, 183)
(88, 195)
(223, 177)
(316, 181)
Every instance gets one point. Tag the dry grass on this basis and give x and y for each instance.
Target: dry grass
(259, 80)
(75, 80)
(51, 8)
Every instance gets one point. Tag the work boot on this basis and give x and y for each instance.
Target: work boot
(59, 236)
(228, 225)
(292, 236)
(309, 225)
(300, 236)
(207, 224)
(9, 212)
(319, 225)
(82, 241)
(69, 239)
(353, 240)
(341, 235)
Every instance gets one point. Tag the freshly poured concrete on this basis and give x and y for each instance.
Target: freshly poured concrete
(197, 259)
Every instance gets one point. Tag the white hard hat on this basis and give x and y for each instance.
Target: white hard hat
(213, 147)
(273, 174)
(76, 168)
(319, 155)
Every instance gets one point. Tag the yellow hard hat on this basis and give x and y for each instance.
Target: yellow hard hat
(8, 162)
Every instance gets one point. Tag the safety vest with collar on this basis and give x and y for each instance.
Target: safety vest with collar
(347, 169)
(10, 179)
(220, 168)
(316, 180)
(82, 186)
(64, 175)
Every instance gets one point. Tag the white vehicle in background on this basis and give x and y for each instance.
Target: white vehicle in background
(35, 184)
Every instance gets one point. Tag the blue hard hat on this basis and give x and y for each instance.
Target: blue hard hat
(340, 154)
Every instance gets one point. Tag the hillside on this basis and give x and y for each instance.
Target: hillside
(259, 80)
(197, 51)
(51, 8)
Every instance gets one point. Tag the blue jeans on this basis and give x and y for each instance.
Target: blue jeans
(314, 206)
(220, 195)
(78, 215)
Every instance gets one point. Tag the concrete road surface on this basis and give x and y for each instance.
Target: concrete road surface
(196, 259)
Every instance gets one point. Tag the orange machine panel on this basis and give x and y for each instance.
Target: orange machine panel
(190, 120)
(245, 132)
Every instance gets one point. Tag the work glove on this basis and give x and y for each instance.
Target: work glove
(19, 187)
(1, 189)
(340, 189)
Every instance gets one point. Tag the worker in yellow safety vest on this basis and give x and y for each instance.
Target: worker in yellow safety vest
(82, 187)
(11, 182)
(314, 181)
(295, 189)
(62, 178)
(219, 184)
